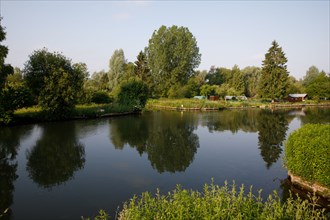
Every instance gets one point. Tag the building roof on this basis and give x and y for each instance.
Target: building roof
(298, 95)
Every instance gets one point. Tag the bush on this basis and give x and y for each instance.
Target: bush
(100, 97)
(133, 93)
(12, 97)
(307, 153)
(217, 203)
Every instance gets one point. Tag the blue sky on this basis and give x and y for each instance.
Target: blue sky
(227, 32)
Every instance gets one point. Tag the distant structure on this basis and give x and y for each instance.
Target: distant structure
(241, 97)
(297, 97)
(229, 97)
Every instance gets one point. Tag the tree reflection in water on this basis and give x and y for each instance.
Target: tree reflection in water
(56, 155)
(9, 144)
(272, 127)
(166, 137)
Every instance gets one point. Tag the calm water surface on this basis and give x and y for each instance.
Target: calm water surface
(65, 170)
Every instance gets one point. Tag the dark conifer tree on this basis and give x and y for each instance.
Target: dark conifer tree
(274, 75)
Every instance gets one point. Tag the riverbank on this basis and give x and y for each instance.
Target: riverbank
(36, 115)
(207, 105)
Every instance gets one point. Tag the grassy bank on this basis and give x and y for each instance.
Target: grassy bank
(215, 202)
(35, 114)
(204, 104)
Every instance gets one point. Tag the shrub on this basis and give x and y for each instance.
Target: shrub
(134, 93)
(100, 97)
(307, 153)
(217, 202)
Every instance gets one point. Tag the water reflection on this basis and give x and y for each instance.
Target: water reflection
(9, 144)
(232, 120)
(166, 137)
(316, 115)
(272, 127)
(56, 155)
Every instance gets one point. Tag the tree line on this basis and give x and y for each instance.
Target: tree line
(165, 68)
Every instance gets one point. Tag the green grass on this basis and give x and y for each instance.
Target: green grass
(197, 103)
(153, 104)
(35, 114)
(215, 202)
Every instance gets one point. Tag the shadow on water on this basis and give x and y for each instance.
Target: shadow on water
(56, 155)
(167, 138)
(9, 145)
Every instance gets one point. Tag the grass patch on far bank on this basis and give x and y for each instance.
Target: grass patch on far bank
(35, 113)
(153, 104)
(198, 103)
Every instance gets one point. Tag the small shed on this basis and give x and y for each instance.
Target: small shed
(297, 97)
(214, 97)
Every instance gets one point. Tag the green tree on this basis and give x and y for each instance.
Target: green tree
(98, 81)
(274, 75)
(215, 76)
(237, 81)
(54, 81)
(319, 87)
(251, 78)
(311, 74)
(141, 67)
(4, 71)
(16, 77)
(207, 90)
(6, 107)
(294, 86)
(173, 55)
(116, 68)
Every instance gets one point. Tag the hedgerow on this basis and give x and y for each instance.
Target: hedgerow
(307, 153)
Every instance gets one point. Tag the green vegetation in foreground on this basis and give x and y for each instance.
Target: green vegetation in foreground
(307, 153)
(35, 114)
(215, 202)
(205, 103)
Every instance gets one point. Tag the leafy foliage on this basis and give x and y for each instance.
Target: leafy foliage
(4, 71)
(172, 56)
(134, 93)
(319, 87)
(116, 68)
(217, 202)
(307, 153)
(100, 97)
(54, 81)
(274, 75)
(13, 96)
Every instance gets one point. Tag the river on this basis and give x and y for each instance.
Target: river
(64, 170)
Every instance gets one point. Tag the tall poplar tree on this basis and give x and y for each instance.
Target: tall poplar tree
(274, 75)
(116, 68)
